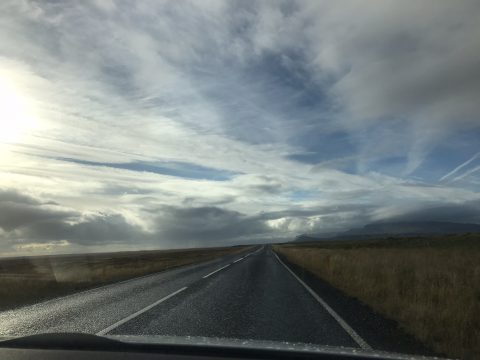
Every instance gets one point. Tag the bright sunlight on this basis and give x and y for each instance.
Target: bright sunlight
(16, 117)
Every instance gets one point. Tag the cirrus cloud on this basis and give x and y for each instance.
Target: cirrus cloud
(191, 123)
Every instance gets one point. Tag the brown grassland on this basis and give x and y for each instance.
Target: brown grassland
(26, 280)
(429, 285)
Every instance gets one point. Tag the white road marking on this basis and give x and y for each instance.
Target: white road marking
(213, 272)
(130, 317)
(358, 339)
(223, 267)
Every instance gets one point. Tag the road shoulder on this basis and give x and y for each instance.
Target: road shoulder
(381, 333)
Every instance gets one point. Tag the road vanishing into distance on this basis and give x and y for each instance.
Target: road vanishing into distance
(251, 295)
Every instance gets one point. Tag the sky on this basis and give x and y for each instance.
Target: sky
(131, 125)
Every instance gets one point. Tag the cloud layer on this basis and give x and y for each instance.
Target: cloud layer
(166, 124)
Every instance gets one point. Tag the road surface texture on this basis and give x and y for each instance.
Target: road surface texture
(244, 296)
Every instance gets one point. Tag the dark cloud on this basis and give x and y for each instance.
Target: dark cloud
(206, 225)
(27, 220)
(195, 200)
(9, 195)
(468, 212)
(18, 210)
(266, 185)
(95, 229)
(24, 218)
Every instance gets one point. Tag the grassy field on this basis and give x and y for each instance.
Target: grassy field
(429, 285)
(31, 279)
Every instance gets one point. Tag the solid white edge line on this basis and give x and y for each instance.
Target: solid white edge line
(135, 314)
(237, 260)
(353, 334)
(213, 272)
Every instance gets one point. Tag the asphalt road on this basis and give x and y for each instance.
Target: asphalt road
(244, 297)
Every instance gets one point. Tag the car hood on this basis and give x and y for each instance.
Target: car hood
(188, 343)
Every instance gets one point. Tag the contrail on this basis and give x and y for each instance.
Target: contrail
(469, 172)
(461, 166)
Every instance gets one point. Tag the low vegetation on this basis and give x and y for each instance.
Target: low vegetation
(429, 285)
(31, 279)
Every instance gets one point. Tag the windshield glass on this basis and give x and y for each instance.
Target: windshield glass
(276, 171)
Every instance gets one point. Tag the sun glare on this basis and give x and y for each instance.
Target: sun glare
(16, 118)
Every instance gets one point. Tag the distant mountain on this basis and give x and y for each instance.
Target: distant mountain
(396, 228)
(413, 228)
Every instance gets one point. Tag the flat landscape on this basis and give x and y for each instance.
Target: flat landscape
(429, 285)
(417, 295)
(27, 280)
(246, 294)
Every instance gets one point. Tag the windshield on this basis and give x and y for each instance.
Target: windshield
(274, 171)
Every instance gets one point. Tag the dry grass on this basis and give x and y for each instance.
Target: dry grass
(431, 288)
(31, 279)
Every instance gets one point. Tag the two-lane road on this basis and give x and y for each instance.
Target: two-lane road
(244, 297)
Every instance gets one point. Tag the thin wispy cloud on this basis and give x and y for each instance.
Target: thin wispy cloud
(192, 123)
(461, 167)
(467, 173)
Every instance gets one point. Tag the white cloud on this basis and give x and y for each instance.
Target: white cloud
(238, 87)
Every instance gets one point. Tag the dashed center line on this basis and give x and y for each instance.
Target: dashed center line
(141, 311)
(213, 272)
(130, 317)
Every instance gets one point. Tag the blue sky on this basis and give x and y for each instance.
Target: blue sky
(155, 124)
